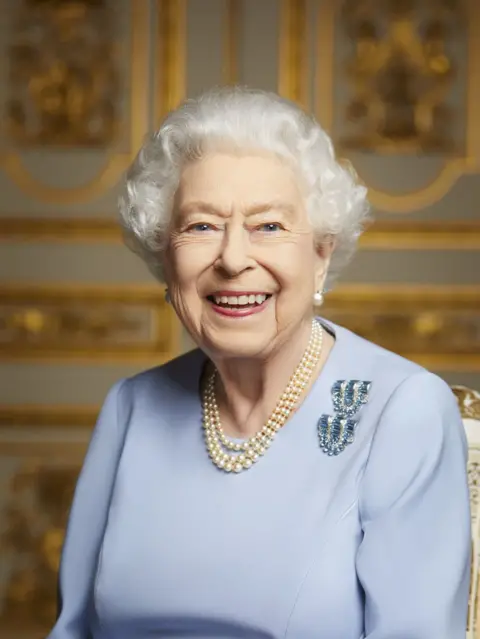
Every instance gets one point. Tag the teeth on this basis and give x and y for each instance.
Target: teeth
(241, 300)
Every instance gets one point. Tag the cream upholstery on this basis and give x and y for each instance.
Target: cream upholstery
(469, 402)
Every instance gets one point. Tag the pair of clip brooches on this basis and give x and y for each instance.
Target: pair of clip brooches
(336, 431)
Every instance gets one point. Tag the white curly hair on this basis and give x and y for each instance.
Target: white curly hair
(240, 119)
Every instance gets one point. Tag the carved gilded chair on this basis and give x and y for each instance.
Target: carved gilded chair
(469, 402)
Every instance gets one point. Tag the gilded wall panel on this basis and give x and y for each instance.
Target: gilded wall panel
(78, 79)
(86, 323)
(400, 73)
(398, 79)
(170, 56)
(63, 84)
(293, 52)
(35, 496)
(435, 326)
(421, 235)
(368, 49)
(58, 417)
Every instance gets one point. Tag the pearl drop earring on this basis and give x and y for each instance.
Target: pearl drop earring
(318, 298)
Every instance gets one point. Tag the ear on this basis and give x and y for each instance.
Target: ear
(324, 251)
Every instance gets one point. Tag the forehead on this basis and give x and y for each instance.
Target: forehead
(224, 180)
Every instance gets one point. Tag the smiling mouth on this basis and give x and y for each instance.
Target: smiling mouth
(240, 302)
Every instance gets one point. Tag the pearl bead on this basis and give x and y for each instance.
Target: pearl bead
(251, 450)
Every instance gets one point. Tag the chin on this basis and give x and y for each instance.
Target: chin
(237, 345)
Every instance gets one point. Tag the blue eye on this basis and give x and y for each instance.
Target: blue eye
(201, 227)
(270, 227)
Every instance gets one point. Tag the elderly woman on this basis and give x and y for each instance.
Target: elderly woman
(288, 478)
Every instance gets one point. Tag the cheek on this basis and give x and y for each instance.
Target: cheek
(293, 265)
(189, 260)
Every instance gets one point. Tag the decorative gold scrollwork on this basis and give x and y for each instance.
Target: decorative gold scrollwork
(48, 108)
(86, 323)
(436, 326)
(469, 403)
(454, 166)
(35, 518)
(64, 80)
(401, 73)
(171, 55)
(293, 52)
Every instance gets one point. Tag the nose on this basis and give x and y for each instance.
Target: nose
(234, 256)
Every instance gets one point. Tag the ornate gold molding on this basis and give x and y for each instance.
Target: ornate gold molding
(426, 196)
(44, 229)
(115, 163)
(409, 297)
(37, 501)
(62, 83)
(454, 167)
(41, 450)
(422, 236)
(435, 326)
(171, 53)
(293, 52)
(400, 72)
(86, 324)
(231, 41)
(468, 401)
(324, 55)
(57, 416)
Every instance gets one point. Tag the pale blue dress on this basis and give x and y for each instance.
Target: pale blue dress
(373, 542)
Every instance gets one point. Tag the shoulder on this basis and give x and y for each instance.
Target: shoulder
(390, 373)
(418, 417)
(374, 358)
(422, 410)
(405, 397)
(173, 371)
(417, 433)
(171, 381)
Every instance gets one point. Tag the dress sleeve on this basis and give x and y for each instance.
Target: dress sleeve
(414, 558)
(87, 520)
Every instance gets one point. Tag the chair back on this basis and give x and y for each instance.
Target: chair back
(469, 403)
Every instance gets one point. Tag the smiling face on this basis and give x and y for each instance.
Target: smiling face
(241, 263)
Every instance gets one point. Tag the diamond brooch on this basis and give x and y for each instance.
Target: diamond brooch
(338, 430)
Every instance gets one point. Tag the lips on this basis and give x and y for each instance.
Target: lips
(238, 300)
(238, 303)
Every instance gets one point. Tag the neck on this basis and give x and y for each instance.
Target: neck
(250, 388)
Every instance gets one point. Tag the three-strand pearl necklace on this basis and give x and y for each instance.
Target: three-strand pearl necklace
(232, 456)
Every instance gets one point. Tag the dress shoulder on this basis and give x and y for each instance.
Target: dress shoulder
(175, 380)
(366, 360)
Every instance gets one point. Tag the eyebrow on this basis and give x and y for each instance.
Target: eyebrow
(254, 209)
